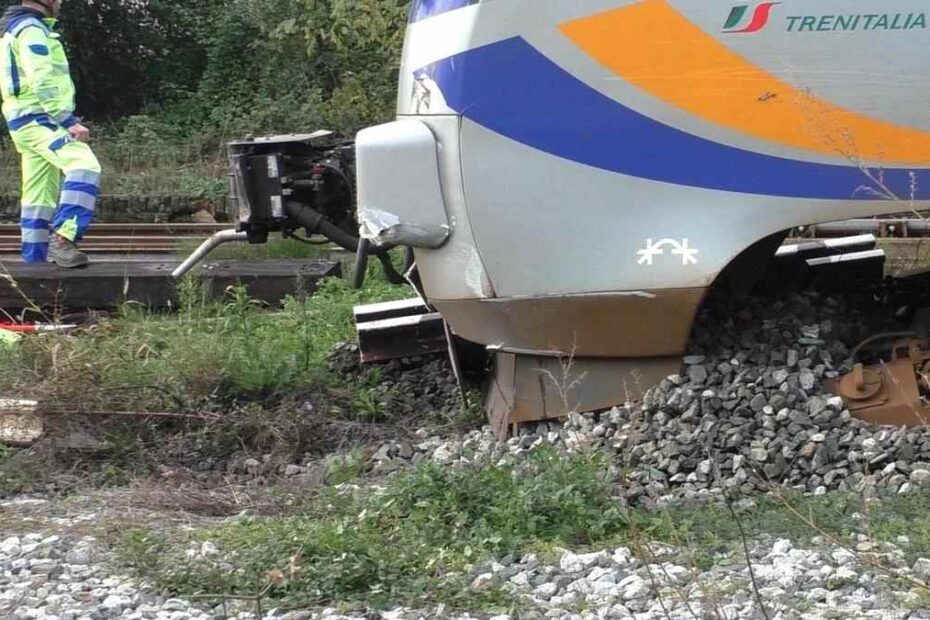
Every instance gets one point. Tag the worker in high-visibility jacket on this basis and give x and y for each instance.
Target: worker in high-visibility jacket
(38, 106)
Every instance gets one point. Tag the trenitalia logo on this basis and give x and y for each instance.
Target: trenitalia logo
(738, 22)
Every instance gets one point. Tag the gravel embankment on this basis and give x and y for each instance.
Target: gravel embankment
(50, 577)
(748, 413)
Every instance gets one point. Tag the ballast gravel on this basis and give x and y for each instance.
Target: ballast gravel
(747, 414)
(51, 577)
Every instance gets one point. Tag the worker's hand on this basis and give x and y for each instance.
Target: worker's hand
(79, 132)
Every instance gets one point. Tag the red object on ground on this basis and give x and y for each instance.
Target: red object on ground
(34, 328)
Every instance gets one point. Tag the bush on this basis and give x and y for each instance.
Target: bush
(281, 65)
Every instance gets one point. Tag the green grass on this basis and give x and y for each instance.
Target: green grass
(252, 371)
(416, 541)
(345, 467)
(226, 378)
(412, 543)
(275, 249)
(713, 530)
(219, 349)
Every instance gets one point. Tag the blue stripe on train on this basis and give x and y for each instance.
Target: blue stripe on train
(512, 89)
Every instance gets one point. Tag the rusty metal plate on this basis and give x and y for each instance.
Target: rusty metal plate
(884, 394)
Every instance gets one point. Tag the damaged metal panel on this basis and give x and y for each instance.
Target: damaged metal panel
(527, 387)
(611, 325)
(387, 228)
(405, 336)
(389, 310)
(396, 329)
(400, 196)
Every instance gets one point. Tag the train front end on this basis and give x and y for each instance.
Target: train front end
(575, 176)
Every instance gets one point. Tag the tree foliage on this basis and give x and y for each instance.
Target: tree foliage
(237, 65)
(127, 55)
(305, 61)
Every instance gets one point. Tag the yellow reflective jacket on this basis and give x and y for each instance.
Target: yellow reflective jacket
(35, 79)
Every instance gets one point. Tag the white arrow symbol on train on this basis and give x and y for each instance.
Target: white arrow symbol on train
(688, 254)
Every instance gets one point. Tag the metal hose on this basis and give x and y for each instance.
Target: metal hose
(224, 236)
(361, 264)
(314, 221)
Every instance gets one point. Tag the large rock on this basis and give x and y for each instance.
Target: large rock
(572, 563)
(922, 569)
(633, 587)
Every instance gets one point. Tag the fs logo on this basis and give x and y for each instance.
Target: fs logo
(739, 23)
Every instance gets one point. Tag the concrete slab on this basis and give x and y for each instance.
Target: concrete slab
(105, 285)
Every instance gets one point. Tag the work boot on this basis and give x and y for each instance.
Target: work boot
(65, 254)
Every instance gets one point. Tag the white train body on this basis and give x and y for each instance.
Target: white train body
(576, 174)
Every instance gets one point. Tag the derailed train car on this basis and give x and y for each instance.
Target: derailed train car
(575, 175)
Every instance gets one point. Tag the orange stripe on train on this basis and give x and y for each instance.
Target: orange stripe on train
(654, 47)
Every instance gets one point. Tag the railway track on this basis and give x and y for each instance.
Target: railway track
(125, 238)
(906, 242)
(168, 238)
